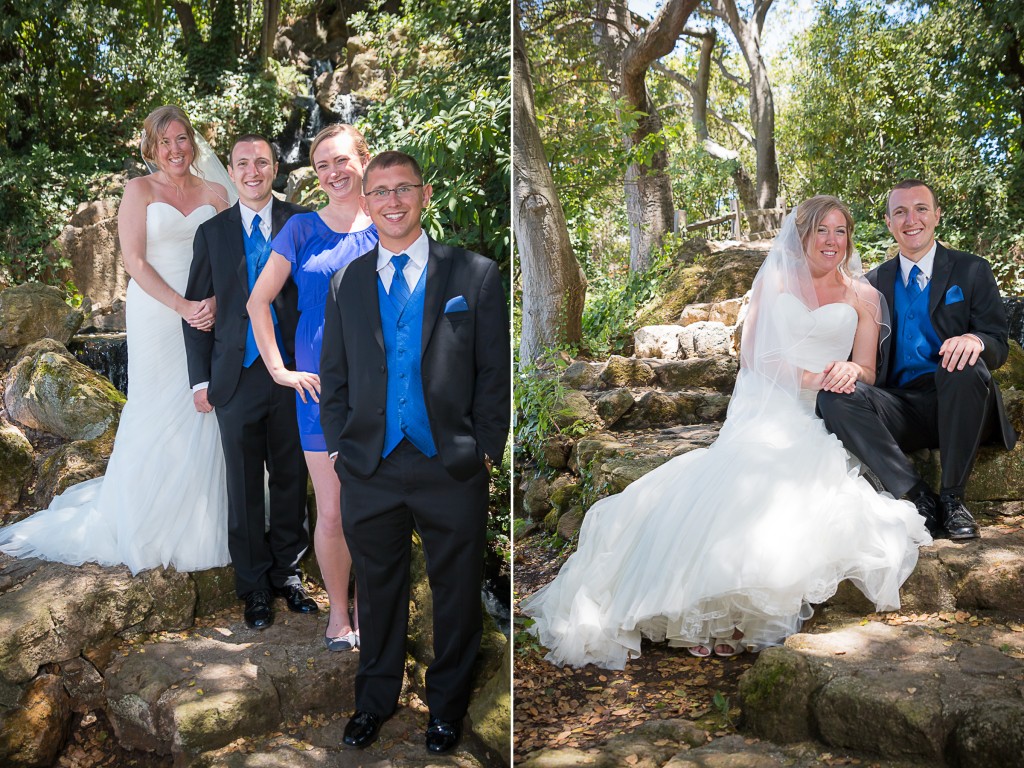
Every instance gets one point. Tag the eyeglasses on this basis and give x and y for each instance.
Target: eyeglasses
(404, 191)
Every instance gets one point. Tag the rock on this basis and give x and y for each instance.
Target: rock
(84, 685)
(337, 93)
(73, 463)
(58, 612)
(49, 390)
(775, 695)
(657, 341)
(611, 406)
(32, 733)
(537, 497)
(725, 312)
(490, 710)
(718, 372)
(91, 244)
(302, 183)
(569, 523)
(215, 589)
(564, 492)
(573, 410)
(695, 313)
(667, 409)
(592, 448)
(16, 462)
(613, 475)
(705, 339)
(555, 451)
(626, 372)
(160, 701)
(32, 311)
(582, 375)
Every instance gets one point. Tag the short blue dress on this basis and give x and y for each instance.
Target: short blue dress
(316, 252)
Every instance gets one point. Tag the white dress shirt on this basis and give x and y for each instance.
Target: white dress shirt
(925, 264)
(418, 253)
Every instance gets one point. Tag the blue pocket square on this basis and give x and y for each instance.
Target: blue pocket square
(458, 304)
(954, 294)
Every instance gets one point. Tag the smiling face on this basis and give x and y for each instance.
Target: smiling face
(253, 170)
(828, 246)
(174, 152)
(397, 217)
(911, 218)
(339, 168)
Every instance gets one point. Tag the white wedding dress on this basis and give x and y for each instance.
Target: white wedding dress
(747, 533)
(163, 499)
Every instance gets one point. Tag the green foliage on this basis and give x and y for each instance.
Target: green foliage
(537, 400)
(449, 105)
(889, 97)
(614, 301)
(500, 508)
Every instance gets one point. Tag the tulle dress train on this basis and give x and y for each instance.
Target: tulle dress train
(748, 533)
(163, 499)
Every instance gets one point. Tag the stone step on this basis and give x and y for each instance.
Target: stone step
(201, 690)
(945, 688)
(717, 372)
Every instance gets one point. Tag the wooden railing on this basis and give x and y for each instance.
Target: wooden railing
(736, 217)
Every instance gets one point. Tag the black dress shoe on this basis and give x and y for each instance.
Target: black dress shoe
(361, 730)
(959, 524)
(297, 599)
(258, 613)
(443, 735)
(929, 507)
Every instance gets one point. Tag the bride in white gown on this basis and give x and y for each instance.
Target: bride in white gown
(163, 499)
(728, 547)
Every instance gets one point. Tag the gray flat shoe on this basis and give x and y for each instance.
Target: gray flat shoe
(345, 642)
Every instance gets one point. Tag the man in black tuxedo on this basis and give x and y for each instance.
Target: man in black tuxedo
(415, 402)
(934, 386)
(257, 421)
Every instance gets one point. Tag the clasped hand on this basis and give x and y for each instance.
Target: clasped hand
(201, 314)
(840, 376)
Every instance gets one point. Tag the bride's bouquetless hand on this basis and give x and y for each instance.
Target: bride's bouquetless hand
(840, 376)
(303, 382)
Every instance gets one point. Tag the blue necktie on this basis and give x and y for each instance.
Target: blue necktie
(913, 286)
(261, 248)
(399, 292)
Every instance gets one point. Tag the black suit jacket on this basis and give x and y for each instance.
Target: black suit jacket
(981, 312)
(466, 363)
(219, 269)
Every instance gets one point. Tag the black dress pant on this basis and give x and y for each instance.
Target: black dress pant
(410, 491)
(258, 429)
(949, 410)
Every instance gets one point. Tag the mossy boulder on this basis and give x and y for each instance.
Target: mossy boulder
(627, 372)
(776, 694)
(717, 372)
(33, 311)
(573, 410)
(569, 523)
(73, 463)
(490, 710)
(611, 406)
(51, 391)
(16, 459)
(582, 375)
(32, 733)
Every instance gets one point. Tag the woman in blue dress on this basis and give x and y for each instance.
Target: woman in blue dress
(311, 247)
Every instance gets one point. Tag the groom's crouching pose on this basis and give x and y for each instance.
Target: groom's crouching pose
(949, 331)
(256, 417)
(415, 400)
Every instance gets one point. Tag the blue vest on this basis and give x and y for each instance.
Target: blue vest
(406, 414)
(917, 344)
(256, 256)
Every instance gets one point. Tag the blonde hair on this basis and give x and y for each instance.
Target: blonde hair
(338, 129)
(156, 124)
(813, 211)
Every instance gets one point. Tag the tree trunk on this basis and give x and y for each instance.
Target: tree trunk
(648, 186)
(271, 14)
(189, 28)
(762, 105)
(553, 283)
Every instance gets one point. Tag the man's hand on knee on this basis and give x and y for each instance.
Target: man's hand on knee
(960, 351)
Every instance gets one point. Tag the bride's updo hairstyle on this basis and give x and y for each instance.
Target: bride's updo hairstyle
(155, 125)
(812, 212)
(338, 129)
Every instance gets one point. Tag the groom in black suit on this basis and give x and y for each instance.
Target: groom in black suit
(934, 386)
(257, 421)
(415, 401)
